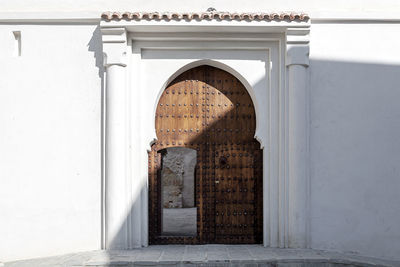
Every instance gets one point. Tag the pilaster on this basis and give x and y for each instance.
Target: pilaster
(116, 214)
(297, 180)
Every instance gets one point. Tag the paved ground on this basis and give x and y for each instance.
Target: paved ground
(206, 256)
(180, 222)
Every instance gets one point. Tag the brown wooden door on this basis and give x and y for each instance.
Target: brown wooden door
(209, 110)
(236, 194)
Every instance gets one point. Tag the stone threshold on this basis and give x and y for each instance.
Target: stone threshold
(206, 256)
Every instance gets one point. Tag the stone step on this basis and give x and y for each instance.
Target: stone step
(280, 263)
(207, 256)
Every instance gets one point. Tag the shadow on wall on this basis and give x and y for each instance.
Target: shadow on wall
(355, 155)
(95, 45)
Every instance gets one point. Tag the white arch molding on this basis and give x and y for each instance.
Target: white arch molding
(271, 61)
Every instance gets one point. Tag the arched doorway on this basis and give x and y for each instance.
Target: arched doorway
(209, 110)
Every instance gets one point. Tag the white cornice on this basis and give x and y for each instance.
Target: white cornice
(355, 17)
(50, 17)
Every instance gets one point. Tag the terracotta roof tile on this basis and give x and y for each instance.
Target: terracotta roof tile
(291, 16)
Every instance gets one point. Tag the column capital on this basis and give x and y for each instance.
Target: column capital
(114, 46)
(297, 46)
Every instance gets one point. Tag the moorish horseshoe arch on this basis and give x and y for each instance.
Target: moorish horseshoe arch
(209, 110)
(135, 45)
(219, 65)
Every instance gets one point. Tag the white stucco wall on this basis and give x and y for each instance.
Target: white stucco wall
(355, 145)
(50, 143)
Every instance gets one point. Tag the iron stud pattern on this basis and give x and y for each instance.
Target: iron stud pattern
(209, 110)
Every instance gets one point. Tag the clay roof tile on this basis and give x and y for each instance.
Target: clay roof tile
(204, 16)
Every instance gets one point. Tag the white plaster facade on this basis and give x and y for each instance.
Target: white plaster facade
(75, 134)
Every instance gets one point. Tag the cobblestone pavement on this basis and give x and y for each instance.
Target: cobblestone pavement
(206, 256)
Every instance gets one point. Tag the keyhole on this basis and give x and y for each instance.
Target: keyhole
(223, 161)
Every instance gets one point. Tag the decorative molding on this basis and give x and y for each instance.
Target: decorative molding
(297, 167)
(287, 45)
(210, 15)
(297, 46)
(298, 55)
(116, 230)
(114, 46)
(271, 46)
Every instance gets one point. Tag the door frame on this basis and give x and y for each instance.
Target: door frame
(281, 112)
(206, 167)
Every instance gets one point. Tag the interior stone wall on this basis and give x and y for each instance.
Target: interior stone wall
(177, 177)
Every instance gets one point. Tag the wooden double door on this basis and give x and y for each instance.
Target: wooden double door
(209, 110)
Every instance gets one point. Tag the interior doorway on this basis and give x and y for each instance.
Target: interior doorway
(209, 111)
(179, 212)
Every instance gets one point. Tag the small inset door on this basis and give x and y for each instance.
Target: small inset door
(236, 219)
